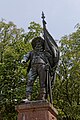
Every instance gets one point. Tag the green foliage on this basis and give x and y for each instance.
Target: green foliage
(67, 87)
(14, 43)
(35, 30)
(12, 73)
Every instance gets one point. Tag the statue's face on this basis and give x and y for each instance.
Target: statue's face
(39, 46)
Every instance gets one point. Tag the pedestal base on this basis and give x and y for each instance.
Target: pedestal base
(36, 110)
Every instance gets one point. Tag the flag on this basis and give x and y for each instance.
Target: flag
(52, 48)
(52, 54)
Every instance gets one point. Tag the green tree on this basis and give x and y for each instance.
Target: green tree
(35, 30)
(14, 43)
(11, 44)
(67, 87)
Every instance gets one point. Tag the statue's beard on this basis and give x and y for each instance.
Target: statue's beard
(40, 49)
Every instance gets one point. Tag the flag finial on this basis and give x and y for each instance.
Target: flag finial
(44, 22)
(43, 15)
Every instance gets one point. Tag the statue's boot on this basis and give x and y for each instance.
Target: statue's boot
(28, 96)
(42, 95)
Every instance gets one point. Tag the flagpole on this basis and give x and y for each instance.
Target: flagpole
(48, 82)
(47, 67)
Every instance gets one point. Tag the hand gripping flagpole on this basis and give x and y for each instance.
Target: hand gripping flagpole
(48, 81)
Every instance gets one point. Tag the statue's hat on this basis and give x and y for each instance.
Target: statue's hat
(36, 40)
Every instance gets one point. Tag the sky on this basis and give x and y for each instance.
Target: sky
(61, 15)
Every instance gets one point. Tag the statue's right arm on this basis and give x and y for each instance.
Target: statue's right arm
(26, 57)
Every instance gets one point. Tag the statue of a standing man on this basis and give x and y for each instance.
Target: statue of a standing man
(43, 62)
(37, 67)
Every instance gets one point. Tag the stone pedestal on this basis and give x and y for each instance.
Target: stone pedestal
(36, 110)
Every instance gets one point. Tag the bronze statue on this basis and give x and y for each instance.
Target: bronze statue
(43, 61)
